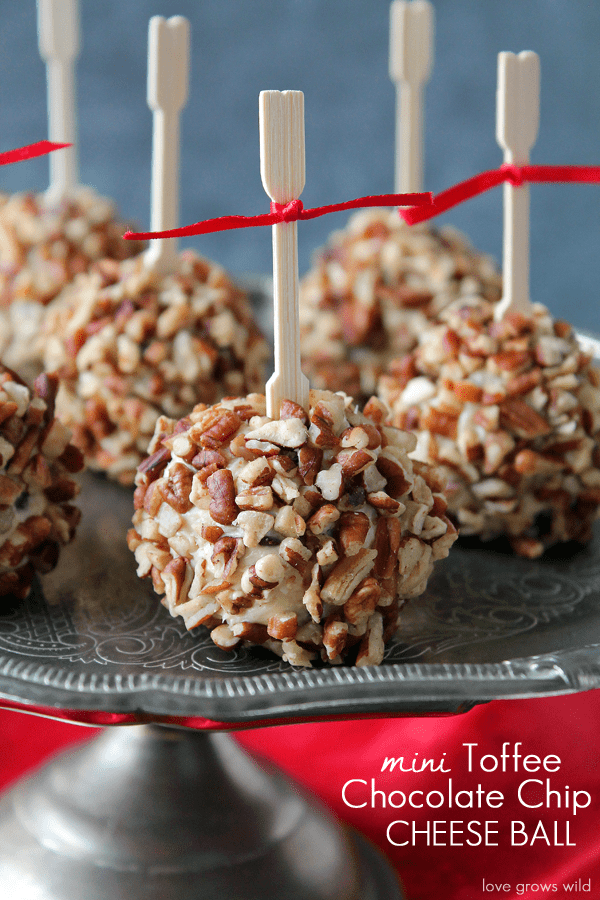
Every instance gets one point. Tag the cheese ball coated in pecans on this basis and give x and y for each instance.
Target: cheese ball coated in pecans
(37, 463)
(510, 411)
(304, 534)
(130, 344)
(42, 248)
(372, 291)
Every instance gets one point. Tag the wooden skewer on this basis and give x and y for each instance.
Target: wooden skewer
(282, 169)
(168, 75)
(517, 122)
(59, 43)
(411, 60)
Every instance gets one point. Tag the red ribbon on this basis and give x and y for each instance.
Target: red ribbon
(41, 148)
(515, 175)
(289, 212)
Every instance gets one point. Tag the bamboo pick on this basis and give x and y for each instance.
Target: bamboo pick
(282, 169)
(168, 76)
(59, 43)
(517, 123)
(411, 60)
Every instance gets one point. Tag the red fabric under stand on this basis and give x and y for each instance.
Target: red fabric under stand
(324, 756)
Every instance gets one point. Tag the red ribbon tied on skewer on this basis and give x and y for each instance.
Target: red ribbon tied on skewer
(421, 206)
(293, 211)
(485, 181)
(41, 148)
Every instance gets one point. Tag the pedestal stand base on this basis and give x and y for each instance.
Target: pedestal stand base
(151, 813)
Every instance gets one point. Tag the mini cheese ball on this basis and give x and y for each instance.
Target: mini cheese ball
(42, 248)
(37, 463)
(374, 288)
(510, 411)
(130, 344)
(304, 534)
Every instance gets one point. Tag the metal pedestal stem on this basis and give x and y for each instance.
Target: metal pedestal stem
(157, 813)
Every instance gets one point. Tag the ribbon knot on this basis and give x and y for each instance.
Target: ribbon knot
(287, 212)
(514, 174)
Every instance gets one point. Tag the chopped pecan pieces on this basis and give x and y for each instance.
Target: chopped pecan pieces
(346, 575)
(208, 458)
(359, 606)
(353, 462)
(290, 432)
(384, 503)
(309, 463)
(291, 410)
(254, 632)
(371, 648)
(323, 518)
(283, 626)
(174, 576)
(257, 498)
(177, 488)
(225, 555)
(352, 532)
(255, 526)
(335, 634)
(211, 533)
(518, 416)
(221, 488)
(225, 426)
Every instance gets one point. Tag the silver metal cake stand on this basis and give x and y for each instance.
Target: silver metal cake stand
(172, 808)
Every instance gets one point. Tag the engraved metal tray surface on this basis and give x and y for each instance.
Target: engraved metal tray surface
(489, 626)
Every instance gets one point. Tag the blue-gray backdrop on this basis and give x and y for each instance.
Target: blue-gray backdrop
(336, 52)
